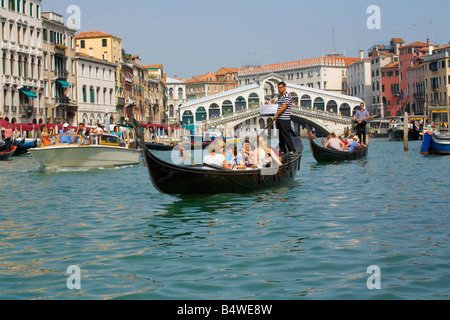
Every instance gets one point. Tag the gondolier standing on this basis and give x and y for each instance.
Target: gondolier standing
(283, 120)
(361, 117)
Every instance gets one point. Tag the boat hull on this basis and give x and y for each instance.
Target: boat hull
(201, 180)
(85, 157)
(327, 155)
(436, 144)
(398, 135)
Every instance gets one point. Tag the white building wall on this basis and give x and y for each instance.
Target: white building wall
(99, 76)
(21, 60)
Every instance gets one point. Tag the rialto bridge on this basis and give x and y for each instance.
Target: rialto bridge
(326, 111)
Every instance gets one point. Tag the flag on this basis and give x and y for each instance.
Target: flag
(66, 93)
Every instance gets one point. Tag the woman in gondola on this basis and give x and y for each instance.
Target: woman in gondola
(216, 156)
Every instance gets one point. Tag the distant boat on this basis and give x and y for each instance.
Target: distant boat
(23, 148)
(322, 154)
(396, 133)
(76, 151)
(436, 143)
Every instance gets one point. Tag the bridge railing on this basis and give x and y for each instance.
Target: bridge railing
(311, 112)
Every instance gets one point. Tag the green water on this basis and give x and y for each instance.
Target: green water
(313, 239)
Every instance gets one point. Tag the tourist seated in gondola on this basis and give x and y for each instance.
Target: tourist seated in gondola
(117, 132)
(216, 157)
(264, 156)
(231, 156)
(245, 157)
(334, 143)
(354, 144)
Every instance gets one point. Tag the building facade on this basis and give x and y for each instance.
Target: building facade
(326, 73)
(95, 90)
(359, 79)
(157, 95)
(21, 82)
(106, 47)
(209, 84)
(407, 56)
(390, 90)
(60, 102)
(176, 97)
(437, 77)
(377, 104)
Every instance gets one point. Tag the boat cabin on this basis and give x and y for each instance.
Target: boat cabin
(79, 140)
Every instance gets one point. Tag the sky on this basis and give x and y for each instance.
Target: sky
(194, 37)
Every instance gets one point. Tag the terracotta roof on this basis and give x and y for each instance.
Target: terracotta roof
(415, 44)
(331, 61)
(447, 46)
(92, 34)
(94, 58)
(391, 65)
(153, 66)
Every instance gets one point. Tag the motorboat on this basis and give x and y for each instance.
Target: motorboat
(77, 151)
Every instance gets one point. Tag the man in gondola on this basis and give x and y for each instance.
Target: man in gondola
(283, 120)
(361, 117)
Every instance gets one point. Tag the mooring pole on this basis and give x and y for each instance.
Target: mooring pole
(406, 132)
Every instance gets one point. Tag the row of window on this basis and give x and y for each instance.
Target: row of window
(23, 67)
(437, 65)
(96, 94)
(21, 6)
(19, 34)
(83, 43)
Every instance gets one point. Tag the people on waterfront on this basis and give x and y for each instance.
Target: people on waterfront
(216, 156)
(334, 143)
(283, 120)
(8, 137)
(361, 117)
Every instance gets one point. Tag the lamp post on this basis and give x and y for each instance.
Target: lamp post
(107, 120)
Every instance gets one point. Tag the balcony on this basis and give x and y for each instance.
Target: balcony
(14, 109)
(5, 108)
(23, 48)
(60, 49)
(4, 45)
(419, 95)
(62, 100)
(62, 74)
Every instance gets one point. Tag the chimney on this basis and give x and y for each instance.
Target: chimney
(91, 52)
(361, 54)
(77, 49)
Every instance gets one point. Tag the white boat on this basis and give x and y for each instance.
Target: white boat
(76, 151)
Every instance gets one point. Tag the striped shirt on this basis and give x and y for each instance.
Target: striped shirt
(285, 99)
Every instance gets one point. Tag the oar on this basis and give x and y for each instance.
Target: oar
(345, 133)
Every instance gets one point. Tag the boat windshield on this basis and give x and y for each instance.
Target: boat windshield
(66, 139)
(106, 140)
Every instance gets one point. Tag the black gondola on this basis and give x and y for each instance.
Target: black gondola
(207, 180)
(166, 147)
(6, 155)
(322, 154)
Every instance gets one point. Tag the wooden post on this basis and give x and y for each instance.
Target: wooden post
(406, 132)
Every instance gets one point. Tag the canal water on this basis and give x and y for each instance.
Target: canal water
(370, 229)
